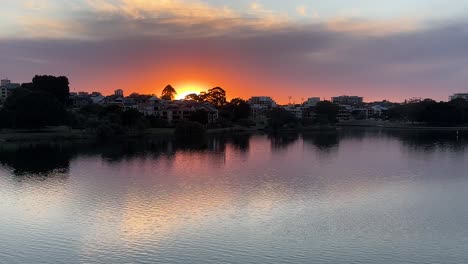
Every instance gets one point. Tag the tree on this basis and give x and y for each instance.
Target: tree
(168, 93)
(216, 96)
(57, 86)
(200, 116)
(194, 97)
(280, 118)
(236, 110)
(326, 112)
(241, 108)
(187, 131)
(34, 110)
(131, 117)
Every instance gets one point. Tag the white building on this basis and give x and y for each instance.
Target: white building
(347, 100)
(265, 101)
(463, 96)
(97, 99)
(7, 88)
(311, 102)
(378, 109)
(297, 111)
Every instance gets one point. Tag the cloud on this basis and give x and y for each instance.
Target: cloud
(99, 19)
(302, 10)
(36, 4)
(102, 6)
(373, 27)
(257, 52)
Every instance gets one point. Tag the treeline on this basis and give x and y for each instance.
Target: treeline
(324, 113)
(430, 112)
(45, 102)
(37, 104)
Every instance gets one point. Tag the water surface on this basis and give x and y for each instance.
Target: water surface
(354, 196)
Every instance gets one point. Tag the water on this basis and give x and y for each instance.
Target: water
(355, 196)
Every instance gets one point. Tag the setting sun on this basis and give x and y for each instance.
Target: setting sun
(186, 89)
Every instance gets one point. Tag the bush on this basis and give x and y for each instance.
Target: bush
(245, 122)
(186, 130)
(155, 122)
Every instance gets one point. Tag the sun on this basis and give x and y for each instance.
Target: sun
(184, 90)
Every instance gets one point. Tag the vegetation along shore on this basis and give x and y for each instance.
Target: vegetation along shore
(44, 109)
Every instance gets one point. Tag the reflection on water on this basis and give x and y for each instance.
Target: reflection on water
(349, 196)
(47, 158)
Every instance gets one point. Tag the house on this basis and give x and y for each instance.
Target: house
(97, 98)
(176, 111)
(114, 100)
(80, 100)
(463, 96)
(378, 110)
(344, 113)
(296, 110)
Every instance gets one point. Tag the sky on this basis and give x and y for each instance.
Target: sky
(382, 50)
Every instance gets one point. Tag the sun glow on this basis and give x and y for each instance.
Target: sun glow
(184, 90)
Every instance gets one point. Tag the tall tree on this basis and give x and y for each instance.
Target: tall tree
(57, 86)
(168, 93)
(327, 112)
(216, 96)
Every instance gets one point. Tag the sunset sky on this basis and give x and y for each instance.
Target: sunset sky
(300, 48)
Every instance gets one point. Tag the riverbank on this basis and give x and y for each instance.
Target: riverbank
(397, 125)
(64, 133)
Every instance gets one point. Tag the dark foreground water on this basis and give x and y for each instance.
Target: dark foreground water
(356, 196)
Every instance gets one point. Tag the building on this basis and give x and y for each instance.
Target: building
(463, 96)
(97, 98)
(344, 113)
(264, 101)
(7, 88)
(311, 102)
(295, 110)
(347, 100)
(176, 111)
(259, 106)
(5, 82)
(119, 92)
(79, 100)
(378, 110)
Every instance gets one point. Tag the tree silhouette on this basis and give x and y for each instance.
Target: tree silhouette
(34, 110)
(194, 97)
(168, 93)
(216, 96)
(326, 112)
(57, 86)
(235, 110)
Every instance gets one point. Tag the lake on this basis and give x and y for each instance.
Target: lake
(351, 196)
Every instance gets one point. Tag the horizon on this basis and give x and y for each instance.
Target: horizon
(182, 96)
(300, 49)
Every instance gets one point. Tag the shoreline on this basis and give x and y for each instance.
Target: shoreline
(81, 135)
(390, 125)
